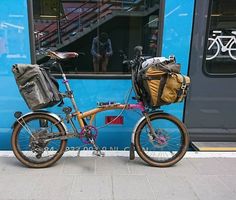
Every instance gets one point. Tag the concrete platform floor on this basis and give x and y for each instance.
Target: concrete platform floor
(118, 178)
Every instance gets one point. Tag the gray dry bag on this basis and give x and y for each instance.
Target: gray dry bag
(36, 86)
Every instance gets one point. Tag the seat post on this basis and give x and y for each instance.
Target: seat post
(59, 65)
(69, 91)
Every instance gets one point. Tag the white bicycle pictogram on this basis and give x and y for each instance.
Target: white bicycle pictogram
(215, 45)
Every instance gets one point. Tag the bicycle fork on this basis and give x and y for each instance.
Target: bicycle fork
(152, 133)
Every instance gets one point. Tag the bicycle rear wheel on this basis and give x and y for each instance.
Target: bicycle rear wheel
(32, 140)
(167, 146)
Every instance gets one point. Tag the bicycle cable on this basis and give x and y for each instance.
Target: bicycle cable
(126, 103)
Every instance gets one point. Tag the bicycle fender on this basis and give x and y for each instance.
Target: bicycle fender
(41, 112)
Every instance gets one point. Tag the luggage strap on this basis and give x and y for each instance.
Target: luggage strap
(182, 88)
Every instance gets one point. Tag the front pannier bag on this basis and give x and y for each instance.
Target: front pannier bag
(36, 87)
(161, 82)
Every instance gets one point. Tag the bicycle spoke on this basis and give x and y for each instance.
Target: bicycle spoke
(164, 147)
(36, 149)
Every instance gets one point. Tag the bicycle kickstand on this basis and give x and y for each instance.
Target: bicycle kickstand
(97, 151)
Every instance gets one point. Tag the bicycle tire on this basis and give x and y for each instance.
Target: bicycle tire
(30, 161)
(169, 122)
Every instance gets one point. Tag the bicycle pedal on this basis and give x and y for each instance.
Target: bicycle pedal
(98, 153)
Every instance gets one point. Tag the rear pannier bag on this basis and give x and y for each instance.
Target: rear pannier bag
(36, 87)
(161, 83)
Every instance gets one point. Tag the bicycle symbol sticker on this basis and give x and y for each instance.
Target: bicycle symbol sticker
(221, 43)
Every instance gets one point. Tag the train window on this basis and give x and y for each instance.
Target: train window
(102, 31)
(221, 44)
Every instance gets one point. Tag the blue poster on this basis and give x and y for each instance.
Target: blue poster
(14, 48)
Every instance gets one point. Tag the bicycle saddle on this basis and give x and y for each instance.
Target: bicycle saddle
(62, 55)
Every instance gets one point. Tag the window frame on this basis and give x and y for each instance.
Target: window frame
(108, 75)
(205, 71)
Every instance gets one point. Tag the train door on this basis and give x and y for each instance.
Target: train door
(211, 104)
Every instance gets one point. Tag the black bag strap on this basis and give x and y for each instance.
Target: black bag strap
(52, 80)
(168, 69)
(152, 77)
(182, 88)
(184, 85)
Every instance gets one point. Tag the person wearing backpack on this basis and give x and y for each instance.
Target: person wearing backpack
(101, 51)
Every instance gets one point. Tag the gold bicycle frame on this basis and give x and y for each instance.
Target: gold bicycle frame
(92, 113)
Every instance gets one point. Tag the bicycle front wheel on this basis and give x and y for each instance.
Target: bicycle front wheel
(33, 143)
(168, 144)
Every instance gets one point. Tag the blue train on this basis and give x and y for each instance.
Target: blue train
(199, 33)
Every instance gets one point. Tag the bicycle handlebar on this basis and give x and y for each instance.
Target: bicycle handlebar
(129, 63)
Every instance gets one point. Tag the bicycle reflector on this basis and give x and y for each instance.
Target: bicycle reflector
(114, 120)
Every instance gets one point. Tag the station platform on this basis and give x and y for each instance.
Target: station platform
(214, 146)
(199, 175)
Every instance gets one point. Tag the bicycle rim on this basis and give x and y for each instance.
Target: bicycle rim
(28, 140)
(169, 144)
